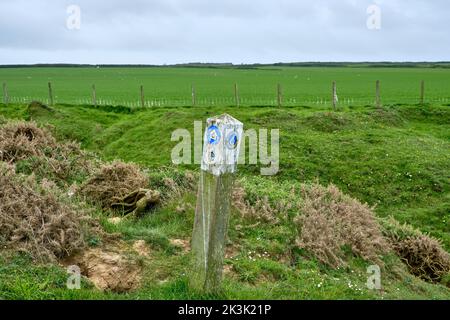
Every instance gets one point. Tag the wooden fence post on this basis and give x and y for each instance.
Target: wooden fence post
(50, 94)
(334, 95)
(422, 92)
(280, 95)
(221, 148)
(94, 96)
(5, 94)
(142, 97)
(194, 100)
(378, 94)
(236, 95)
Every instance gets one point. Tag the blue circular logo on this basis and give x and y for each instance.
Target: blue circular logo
(232, 140)
(213, 135)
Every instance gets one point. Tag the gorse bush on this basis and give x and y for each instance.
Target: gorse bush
(113, 181)
(328, 221)
(34, 150)
(424, 255)
(20, 140)
(35, 218)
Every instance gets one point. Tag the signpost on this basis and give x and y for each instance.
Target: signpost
(221, 146)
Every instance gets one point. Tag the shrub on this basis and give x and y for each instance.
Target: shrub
(423, 254)
(20, 140)
(34, 150)
(113, 181)
(329, 221)
(35, 219)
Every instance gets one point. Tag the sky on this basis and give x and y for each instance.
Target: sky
(222, 31)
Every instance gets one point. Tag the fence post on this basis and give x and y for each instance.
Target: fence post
(236, 94)
(422, 92)
(5, 94)
(94, 96)
(221, 148)
(378, 95)
(142, 97)
(334, 95)
(50, 94)
(193, 96)
(280, 95)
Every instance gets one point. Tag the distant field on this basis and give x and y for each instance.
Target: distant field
(215, 86)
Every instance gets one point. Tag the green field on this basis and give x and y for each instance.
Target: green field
(171, 86)
(396, 159)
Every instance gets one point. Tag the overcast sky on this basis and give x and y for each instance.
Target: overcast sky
(238, 31)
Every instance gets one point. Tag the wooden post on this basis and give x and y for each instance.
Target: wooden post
(279, 95)
(50, 94)
(5, 94)
(221, 147)
(142, 97)
(193, 96)
(334, 95)
(236, 95)
(422, 92)
(94, 96)
(378, 94)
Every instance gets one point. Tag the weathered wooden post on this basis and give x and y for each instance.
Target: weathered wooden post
(378, 94)
(236, 94)
(280, 95)
(334, 95)
(422, 92)
(142, 97)
(193, 96)
(5, 94)
(50, 94)
(94, 96)
(221, 146)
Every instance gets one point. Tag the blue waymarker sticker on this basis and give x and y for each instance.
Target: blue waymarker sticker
(232, 140)
(213, 135)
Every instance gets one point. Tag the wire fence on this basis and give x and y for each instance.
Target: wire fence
(205, 102)
(264, 99)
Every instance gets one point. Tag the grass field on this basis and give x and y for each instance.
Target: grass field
(396, 159)
(215, 86)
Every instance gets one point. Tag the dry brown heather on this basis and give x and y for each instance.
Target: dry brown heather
(329, 220)
(34, 219)
(113, 181)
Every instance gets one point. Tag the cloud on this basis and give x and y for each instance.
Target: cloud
(174, 31)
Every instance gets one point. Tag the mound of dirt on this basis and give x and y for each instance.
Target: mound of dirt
(328, 121)
(37, 109)
(113, 182)
(35, 219)
(109, 269)
(329, 221)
